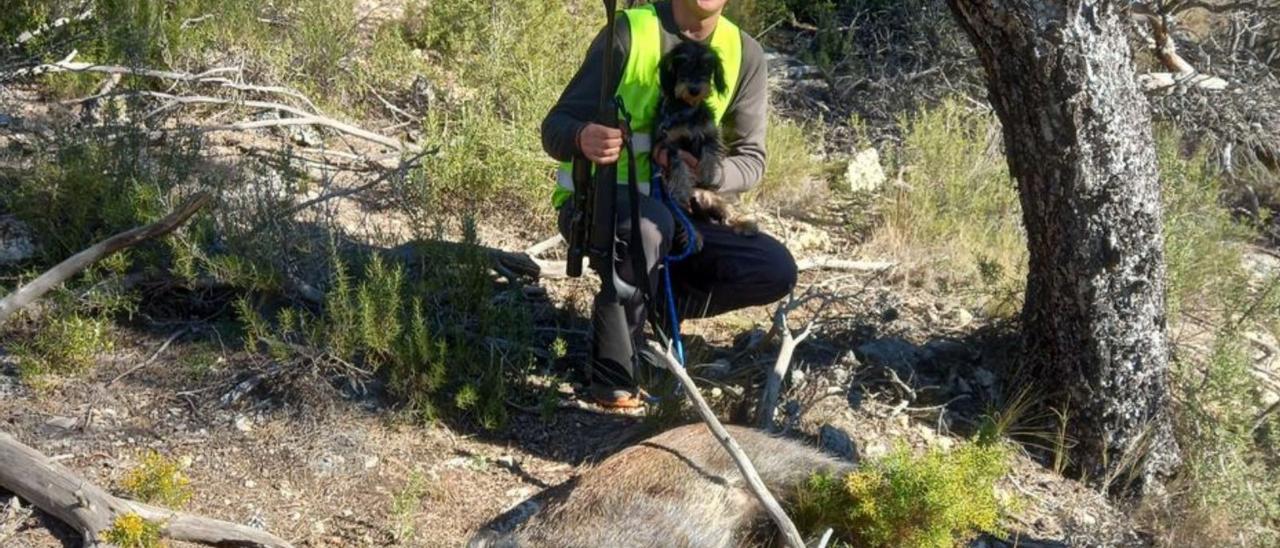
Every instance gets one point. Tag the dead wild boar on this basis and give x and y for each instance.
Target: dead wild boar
(679, 488)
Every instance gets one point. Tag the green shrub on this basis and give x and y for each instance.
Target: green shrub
(1202, 238)
(937, 499)
(757, 16)
(455, 347)
(1227, 494)
(158, 480)
(405, 504)
(793, 175)
(90, 190)
(506, 69)
(957, 208)
(68, 344)
(133, 531)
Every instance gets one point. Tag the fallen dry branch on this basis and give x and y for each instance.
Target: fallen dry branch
(91, 511)
(832, 263)
(217, 77)
(790, 534)
(54, 277)
(768, 404)
(301, 117)
(1161, 21)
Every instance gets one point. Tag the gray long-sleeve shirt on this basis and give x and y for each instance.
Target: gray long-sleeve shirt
(743, 124)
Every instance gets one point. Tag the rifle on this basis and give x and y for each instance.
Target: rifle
(591, 230)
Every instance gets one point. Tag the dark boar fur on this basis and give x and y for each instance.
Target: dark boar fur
(679, 488)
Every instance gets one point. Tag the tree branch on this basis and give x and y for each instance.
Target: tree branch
(89, 509)
(26, 294)
(789, 532)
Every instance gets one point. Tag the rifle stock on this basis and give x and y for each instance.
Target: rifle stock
(581, 219)
(595, 193)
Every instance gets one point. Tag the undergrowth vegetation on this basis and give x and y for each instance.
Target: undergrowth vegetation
(448, 343)
(506, 63)
(451, 343)
(938, 499)
(957, 209)
(158, 480)
(134, 531)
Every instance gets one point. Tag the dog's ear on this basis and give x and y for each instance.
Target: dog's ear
(666, 74)
(721, 85)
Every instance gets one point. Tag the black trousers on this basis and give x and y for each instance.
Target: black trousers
(730, 272)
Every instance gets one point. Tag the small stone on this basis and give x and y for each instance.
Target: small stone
(716, 392)
(864, 173)
(185, 461)
(319, 528)
(16, 243)
(522, 492)
(370, 462)
(891, 352)
(850, 359)
(250, 484)
(963, 317)
(1268, 398)
(875, 450)
(243, 423)
(507, 461)
(65, 423)
(797, 376)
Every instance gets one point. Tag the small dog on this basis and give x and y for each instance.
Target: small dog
(688, 74)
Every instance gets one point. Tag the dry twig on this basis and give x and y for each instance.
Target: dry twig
(54, 277)
(790, 534)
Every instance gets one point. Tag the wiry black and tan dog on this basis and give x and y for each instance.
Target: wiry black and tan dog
(679, 488)
(688, 74)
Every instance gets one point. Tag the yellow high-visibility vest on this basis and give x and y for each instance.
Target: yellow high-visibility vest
(640, 90)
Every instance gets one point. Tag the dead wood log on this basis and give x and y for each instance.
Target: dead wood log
(832, 263)
(89, 509)
(300, 117)
(26, 294)
(790, 534)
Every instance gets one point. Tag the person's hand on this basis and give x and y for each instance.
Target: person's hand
(660, 158)
(600, 144)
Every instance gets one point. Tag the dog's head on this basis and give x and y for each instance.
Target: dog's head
(689, 71)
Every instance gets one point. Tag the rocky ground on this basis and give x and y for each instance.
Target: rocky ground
(323, 463)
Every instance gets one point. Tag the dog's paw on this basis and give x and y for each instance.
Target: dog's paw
(709, 205)
(709, 170)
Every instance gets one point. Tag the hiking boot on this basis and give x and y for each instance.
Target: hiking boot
(616, 397)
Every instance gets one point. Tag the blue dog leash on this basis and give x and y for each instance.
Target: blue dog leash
(656, 186)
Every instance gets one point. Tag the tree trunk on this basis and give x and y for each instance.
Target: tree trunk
(1078, 138)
